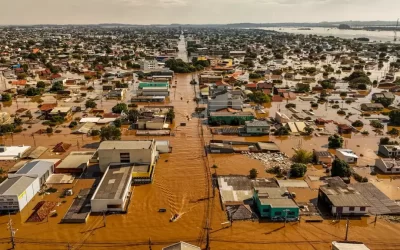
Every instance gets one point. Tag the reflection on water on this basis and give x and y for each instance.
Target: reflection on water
(378, 36)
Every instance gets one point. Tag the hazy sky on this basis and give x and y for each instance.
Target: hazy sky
(193, 11)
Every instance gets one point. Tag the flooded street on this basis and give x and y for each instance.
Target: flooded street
(182, 185)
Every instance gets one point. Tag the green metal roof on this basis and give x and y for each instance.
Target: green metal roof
(153, 84)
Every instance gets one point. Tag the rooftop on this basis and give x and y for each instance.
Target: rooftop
(16, 185)
(114, 181)
(257, 123)
(349, 246)
(182, 246)
(347, 152)
(76, 159)
(126, 145)
(341, 195)
(36, 167)
(227, 114)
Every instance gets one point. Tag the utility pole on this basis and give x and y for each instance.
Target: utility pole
(208, 235)
(68, 246)
(12, 231)
(104, 218)
(347, 228)
(149, 243)
(34, 141)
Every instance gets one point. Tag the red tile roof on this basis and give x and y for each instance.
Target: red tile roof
(277, 98)
(19, 82)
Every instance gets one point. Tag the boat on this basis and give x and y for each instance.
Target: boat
(174, 218)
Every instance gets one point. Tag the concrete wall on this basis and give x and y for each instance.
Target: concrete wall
(107, 156)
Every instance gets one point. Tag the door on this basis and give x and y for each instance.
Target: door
(339, 210)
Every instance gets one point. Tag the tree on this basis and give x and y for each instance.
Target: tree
(394, 116)
(308, 130)
(133, 115)
(340, 168)
(253, 173)
(335, 141)
(302, 156)
(393, 131)
(5, 97)
(40, 84)
(343, 94)
(17, 121)
(259, 97)
(171, 115)
(298, 170)
(386, 102)
(376, 124)
(57, 86)
(357, 123)
(119, 108)
(90, 104)
(281, 131)
(387, 141)
(49, 130)
(118, 123)
(110, 133)
(32, 91)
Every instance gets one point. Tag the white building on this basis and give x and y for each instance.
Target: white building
(22, 186)
(154, 91)
(181, 246)
(138, 152)
(388, 166)
(148, 64)
(12, 152)
(346, 155)
(113, 192)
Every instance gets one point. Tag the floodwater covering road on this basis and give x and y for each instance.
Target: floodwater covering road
(182, 186)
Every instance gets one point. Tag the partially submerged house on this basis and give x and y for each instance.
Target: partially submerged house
(276, 204)
(346, 155)
(341, 199)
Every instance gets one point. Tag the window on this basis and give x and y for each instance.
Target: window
(278, 213)
(124, 157)
(266, 210)
(351, 208)
(114, 206)
(362, 208)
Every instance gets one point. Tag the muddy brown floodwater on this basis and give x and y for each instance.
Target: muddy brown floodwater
(181, 185)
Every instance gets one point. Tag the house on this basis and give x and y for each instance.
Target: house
(372, 107)
(256, 127)
(389, 150)
(46, 108)
(340, 199)
(344, 129)
(275, 204)
(346, 155)
(388, 166)
(114, 191)
(151, 123)
(65, 112)
(323, 157)
(117, 94)
(281, 117)
(387, 95)
(182, 246)
(210, 78)
(230, 118)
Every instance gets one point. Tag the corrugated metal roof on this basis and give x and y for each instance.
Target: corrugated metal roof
(125, 145)
(16, 185)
